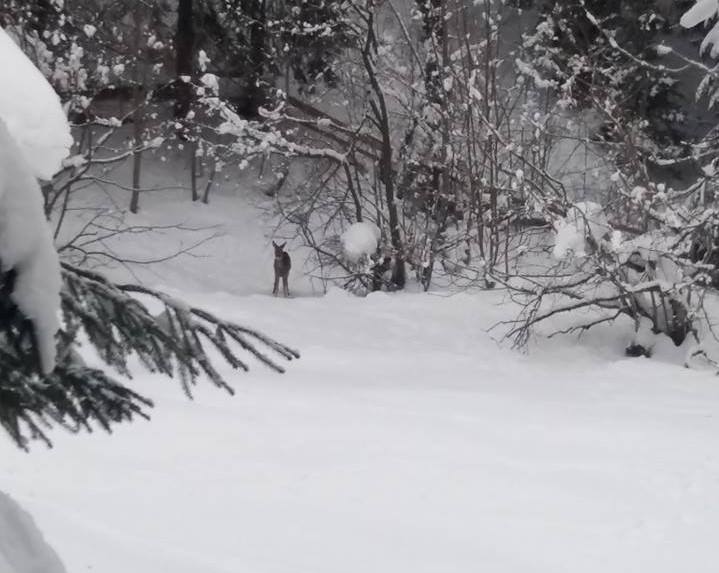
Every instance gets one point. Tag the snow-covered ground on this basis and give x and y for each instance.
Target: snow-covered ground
(406, 440)
(22, 546)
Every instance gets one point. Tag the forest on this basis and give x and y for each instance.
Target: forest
(562, 152)
(465, 137)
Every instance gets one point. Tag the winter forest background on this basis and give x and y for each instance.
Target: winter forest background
(456, 182)
(549, 148)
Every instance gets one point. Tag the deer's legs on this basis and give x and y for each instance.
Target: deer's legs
(285, 286)
(277, 284)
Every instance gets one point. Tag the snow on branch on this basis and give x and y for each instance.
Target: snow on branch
(703, 11)
(26, 246)
(32, 112)
(257, 138)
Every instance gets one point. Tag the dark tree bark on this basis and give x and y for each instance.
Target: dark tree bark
(255, 95)
(138, 114)
(386, 175)
(185, 48)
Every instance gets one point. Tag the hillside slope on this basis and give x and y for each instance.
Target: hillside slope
(406, 440)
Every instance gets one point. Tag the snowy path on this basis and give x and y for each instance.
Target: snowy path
(404, 441)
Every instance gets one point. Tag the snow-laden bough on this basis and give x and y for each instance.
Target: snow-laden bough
(34, 138)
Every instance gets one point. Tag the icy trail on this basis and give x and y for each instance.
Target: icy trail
(404, 441)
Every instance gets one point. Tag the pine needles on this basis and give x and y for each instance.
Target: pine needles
(179, 342)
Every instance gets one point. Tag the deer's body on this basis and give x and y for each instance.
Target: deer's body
(283, 263)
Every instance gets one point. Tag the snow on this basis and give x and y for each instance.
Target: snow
(360, 239)
(406, 439)
(203, 60)
(711, 39)
(530, 71)
(211, 81)
(26, 245)
(22, 546)
(394, 446)
(702, 11)
(585, 218)
(34, 138)
(32, 112)
(645, 336)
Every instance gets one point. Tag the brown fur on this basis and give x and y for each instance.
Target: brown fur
(283, 263)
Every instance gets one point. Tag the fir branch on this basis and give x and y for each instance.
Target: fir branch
(73, 396)
(178, 331)
(118, 325)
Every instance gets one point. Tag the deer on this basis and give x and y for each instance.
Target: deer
(283, 263)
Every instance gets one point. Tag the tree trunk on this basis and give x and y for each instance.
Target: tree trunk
(210, 181)
(193, 169)
(136, 157)
(386, 175)
(254, 97)
(185, 47)
(434, 14)
(138, 115)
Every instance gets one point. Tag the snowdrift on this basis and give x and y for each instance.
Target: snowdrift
(22, 547)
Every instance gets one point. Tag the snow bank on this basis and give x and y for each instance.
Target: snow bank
(360, 239)
(32, 112)
(22, 547)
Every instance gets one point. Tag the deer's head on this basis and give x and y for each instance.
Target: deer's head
(279, 249)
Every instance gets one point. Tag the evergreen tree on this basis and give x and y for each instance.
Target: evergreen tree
(253, 43)
(185, 57)
(596, 52)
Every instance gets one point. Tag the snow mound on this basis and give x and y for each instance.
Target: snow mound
(360, 239)
(26, 245)
(584, 219)
(22, 547)
(32, 112)
(335, 292)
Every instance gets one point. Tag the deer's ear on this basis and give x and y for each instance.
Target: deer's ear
(282, 246)
(274, 244)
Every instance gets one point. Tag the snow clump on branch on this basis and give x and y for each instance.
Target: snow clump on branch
(32, 112)
(360, 239)
(34, 138)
